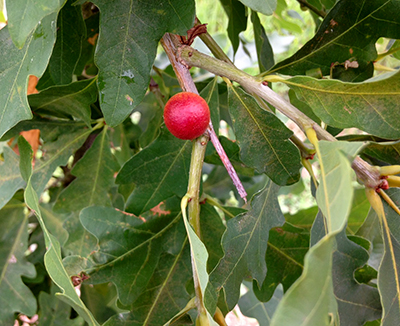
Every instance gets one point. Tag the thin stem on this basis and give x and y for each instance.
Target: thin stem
(196, 164)
(312, 8)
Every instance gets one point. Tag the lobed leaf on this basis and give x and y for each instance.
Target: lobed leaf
(128, 249)
(15, 295)
(245, 243)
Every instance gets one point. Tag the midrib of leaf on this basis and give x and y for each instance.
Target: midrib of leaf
(347, 92)
(122, 59)
(97, 174)
(330, 42)
(262, 132)
(324, 187)
(315, 309)
(164, 284)
(53, 158)
(15, 80)
(392, 256)
(110, 263)
(282, 253)
(13, 249)
(167, 172)
(63, 98)
(248, 241)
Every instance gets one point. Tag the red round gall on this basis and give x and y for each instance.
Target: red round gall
(186, 115)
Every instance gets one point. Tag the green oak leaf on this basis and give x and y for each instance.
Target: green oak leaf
(236, 13)
(67, 101)
(127, 46)
(165, 294)
(71, 32)
(24, 16)
(10, 177)
(311, 298)
(250, 306)
(357, 303)
(348, 32)
(264, 7)
(245, 243)
(15, 295)
(52, 257)
(159, 171)
(128, 249)
(265, 54)
(54, 312)
(389, 272)
(94, 177)
(287, 247)
(263, 139)
(370, 106)
(15, 67)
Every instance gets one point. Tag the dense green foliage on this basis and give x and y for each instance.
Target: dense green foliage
(92, 227)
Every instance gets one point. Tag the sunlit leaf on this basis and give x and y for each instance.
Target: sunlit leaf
(24, 16)
(263, 139)
(264, 7)
(15, 295)
(127, 46)
(348, 32)
(369, 106)
(17, 64)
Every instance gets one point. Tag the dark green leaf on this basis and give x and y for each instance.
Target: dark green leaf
(287, 247)
(265, 54)
(129, 249)
(94, 178)
(348, 32)
(357, 303)
(250, 306)
(71, 32)
(127, 46)
(15, 295)
(369, 106)
(263, 139)
(10, 177)
(15, 67)
(66, 101)
(245, 243)
(236, 13)
(159, 171)
(212, 228)
(24, 16)
(54, 312)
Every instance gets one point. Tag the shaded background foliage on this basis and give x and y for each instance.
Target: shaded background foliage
(103, 177)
